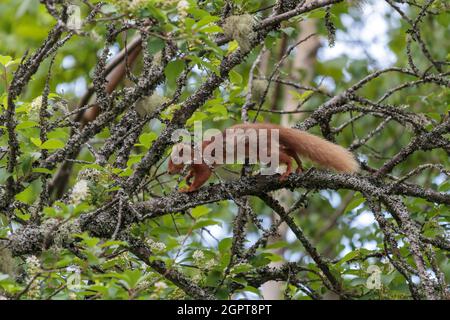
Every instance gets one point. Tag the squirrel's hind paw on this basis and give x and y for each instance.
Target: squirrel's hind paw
(284, 176)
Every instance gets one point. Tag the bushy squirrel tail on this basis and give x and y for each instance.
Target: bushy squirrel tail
(316, 149)
(319, 150)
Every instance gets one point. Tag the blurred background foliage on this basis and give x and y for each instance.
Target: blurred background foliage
(370, 36)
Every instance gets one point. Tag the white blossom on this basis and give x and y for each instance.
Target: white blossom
(80, 191)
(198, 256)
(374, 280)
(137, 4)
(33, 268)
(72, 296)
(156, 246)
(36, 103)
(35, 107)
(33, 265)
(160, 285)
(73, 269)
(182, 8)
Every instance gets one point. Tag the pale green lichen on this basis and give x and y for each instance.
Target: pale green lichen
(240, 28)
(7, 262)
(149, 104)
(65, 234)
(258, 89)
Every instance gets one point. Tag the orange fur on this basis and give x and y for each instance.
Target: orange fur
(292, 143)
(316, 149)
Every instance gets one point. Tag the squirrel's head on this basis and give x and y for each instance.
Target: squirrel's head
(179, 157)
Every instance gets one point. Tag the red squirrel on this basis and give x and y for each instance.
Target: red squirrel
(292, 143)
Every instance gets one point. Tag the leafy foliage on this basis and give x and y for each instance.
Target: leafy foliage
(209, 61)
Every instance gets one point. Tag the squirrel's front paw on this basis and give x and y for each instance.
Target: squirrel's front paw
(284, 176)
(187, 189)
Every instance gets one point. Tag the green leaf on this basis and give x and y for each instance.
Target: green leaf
(197, 116)
(131, 278)
(158, 14)
(205, 223)
(198, 13)
(225, 245)
(358, 282)
(126, 173)
(214, 278)
(205, 20)
(445, 186)
(252, 290)
(4, 60)
(318, 14)
(219, 109)
(58, 133)
(146, 139)
(274, 257)
(173, 70)
(353, 254)
(260, 260)
(26, 163)
(235, 77)
(23, 216)
(199, 211)
(277, 245)
(36, 141)
(211, 29)
(52, 144)
(26, 195)
(26, 124)
(354, 203)
(155, 45)
(240, 280)
(301, 96)
(386, 279)
(232, 46)
(349, 256)
(42, 170)
(242, 267)
(12, 63)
